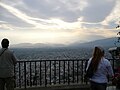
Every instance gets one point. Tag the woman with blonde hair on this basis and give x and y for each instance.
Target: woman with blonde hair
(102, 69)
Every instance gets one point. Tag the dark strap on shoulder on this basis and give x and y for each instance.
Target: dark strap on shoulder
(2, 52)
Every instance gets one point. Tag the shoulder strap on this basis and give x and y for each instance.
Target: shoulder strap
(2, 52)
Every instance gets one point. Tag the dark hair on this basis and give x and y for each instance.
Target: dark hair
(98, 53)
(5, 43)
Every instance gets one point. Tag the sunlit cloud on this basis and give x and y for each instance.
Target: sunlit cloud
(114, 15)
(18, 14)
(6, 27)
(40, 23)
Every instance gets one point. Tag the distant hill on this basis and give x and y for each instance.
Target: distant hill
(108, 42)
(36, 45)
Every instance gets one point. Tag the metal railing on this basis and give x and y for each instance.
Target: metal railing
(49, 72)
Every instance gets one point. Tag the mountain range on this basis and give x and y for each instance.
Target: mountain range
(36, 45)
(108, 42)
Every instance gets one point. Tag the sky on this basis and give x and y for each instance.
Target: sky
(58, 21)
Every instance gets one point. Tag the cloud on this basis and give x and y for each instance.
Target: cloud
(18, 14)
(75, 5)
(6, 27)
(58, 20)
(38, 22)
(97, 10)
(68, 10)
(114, 15)
(3, 22)
(51, 23)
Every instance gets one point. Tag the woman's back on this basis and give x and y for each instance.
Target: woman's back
(104, 69)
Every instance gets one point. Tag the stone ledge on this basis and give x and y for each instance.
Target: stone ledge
(58, 87)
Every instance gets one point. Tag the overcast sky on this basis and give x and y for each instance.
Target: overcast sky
(58, 21)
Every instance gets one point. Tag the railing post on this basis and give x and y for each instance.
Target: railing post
(82, 76)
(59, 71)
(35, 75)
(73, 71)
(64, 72)
(77, 72)
(40, 74)
(19, 74)
(25, 74)
(50, 72)
(54, 72)
(68, 73)
(45, 75)
(30, 75)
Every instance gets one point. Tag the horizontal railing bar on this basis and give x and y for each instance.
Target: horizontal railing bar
(35, 60)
